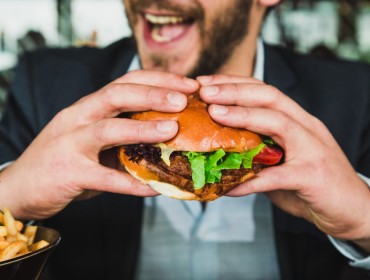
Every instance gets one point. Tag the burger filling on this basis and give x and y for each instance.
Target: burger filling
(194, 170)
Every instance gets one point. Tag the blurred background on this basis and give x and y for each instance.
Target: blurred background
(325, 28)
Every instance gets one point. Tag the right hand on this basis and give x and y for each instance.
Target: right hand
(65, 160)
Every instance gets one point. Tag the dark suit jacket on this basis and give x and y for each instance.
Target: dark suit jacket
(101, 237)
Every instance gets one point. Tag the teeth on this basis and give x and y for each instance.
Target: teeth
(163, 19)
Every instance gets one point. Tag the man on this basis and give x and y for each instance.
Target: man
(59, 128)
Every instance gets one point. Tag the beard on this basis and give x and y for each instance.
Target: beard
(224, 32)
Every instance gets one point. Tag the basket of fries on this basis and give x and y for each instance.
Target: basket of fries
(24, 250)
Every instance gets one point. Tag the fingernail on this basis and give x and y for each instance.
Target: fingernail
(210, 90)
(219, 109)
(204, 79)
(165, 126)
(191, 82)
(176, 99)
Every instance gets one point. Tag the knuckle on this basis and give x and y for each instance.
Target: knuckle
(67, 119)
(282, 123)
(149, 93)
(62, 115)
(318, 123)
(273, 96)
(141, 129)
(237, 93)
(152, 97)
(100, 131)
(245, 114)
(110, 93)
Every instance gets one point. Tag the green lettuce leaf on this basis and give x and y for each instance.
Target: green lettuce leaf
(207, 167)
(269, 141)
(247, 157)
(212, 175)
(197, 163)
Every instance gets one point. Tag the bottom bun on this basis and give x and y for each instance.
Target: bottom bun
(166, 188)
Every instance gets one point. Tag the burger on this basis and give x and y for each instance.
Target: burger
(203, 161)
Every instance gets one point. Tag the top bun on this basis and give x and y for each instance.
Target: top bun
(199, 133)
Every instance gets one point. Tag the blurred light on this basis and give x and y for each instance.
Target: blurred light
(104, 20)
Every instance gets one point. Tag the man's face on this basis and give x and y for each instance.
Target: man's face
(188, 37)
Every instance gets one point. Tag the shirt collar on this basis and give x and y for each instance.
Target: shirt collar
(260, 61)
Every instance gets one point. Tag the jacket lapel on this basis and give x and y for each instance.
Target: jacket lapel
(123, 58)
(279, 74)
(121, 214)
(289, 231)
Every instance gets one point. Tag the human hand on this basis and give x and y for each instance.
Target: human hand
(65, 159)
(316, 180)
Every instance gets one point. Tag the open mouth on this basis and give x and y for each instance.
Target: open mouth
(166, 28)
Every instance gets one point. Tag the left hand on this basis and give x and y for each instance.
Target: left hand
(316, 180)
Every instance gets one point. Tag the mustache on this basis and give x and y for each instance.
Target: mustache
(193, 11)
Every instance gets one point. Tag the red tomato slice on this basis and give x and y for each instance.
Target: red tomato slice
(269, 155)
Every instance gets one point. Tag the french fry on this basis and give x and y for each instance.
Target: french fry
(9, 222)
(22, 237)
(11, 238)
(39, 245)
(30, 233)
(3, 231)
(18, 226)
(12, 250)
(15, 239)
(24, 251)
(3, 245)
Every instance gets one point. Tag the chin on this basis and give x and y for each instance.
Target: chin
(166, 62)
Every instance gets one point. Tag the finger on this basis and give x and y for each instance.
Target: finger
(160, 79)
(256, 95)
(117, 98)
(225, 79)
(110, 180)
(280, 127)
(112, 132)
(282, 177)
(264, 96)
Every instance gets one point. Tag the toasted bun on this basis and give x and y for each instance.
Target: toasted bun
(199, 133)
